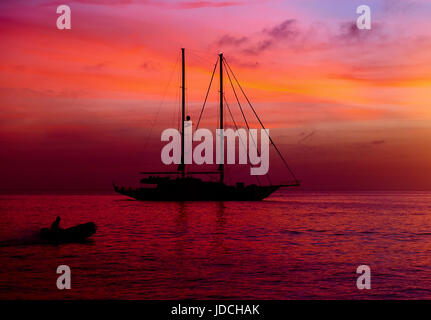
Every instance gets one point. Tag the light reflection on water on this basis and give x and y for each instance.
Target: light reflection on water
(291, 246)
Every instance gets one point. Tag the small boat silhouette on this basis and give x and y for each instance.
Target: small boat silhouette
(77, 233)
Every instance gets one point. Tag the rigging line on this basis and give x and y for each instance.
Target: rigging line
(240, 107)
(161, 103)
(243, 115)
(239, 136)
(233, 120)
(177, 117)
(239, 104)
(198, 56)
(206, 96)
(270, 139)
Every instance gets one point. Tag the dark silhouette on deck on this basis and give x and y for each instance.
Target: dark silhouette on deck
(55, 226)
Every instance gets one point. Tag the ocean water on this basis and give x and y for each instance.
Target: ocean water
(291, 246)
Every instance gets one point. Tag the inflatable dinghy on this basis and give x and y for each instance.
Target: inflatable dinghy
(77, 233)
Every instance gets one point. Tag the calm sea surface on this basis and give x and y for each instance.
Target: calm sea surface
(291, 246)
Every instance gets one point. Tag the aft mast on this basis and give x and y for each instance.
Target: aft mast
(221, 166)
(182, 166)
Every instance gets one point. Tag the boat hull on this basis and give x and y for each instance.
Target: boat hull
(78, 233)
(205, 191)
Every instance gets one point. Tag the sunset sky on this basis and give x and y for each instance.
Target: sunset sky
(350, 109)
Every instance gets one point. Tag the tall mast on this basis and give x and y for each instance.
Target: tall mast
(182, 167)
(221, 166)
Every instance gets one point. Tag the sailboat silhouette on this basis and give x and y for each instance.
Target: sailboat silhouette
(185, 186)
